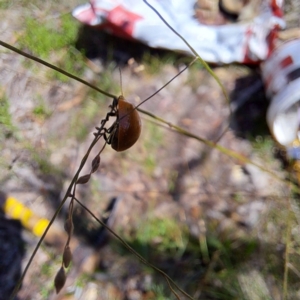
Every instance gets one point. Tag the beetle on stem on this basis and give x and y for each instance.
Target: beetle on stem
(126, 130)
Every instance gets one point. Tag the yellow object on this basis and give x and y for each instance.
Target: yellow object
(40, 227)
(296, 169)
(294, 159)
(16, 210)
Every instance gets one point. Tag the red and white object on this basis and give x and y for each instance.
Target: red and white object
(281, 75)
(241, 42)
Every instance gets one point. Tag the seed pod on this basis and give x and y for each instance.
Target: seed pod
(60, 280)
(95, 163)
(83, 179)
(67, 256)
(69, 226)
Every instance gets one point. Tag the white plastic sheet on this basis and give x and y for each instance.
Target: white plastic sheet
(244, 43)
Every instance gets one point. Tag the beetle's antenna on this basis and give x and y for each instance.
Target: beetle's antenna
(120, 72)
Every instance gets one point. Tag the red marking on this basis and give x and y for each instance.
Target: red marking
(123, 21)
(247, 55)
(276, 9)
(271, 39)
(286, 62)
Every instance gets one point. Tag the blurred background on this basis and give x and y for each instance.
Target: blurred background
(220, 227)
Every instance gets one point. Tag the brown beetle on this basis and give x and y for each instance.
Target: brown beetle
(128, 126)
(126, 129)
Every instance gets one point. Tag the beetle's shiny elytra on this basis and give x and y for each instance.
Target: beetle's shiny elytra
(128, 127)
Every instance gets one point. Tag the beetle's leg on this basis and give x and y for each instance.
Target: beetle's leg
(106, 138)
(99, 129)
(107, 134)
(112, 113)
